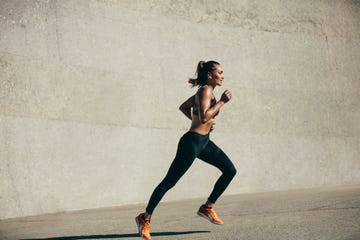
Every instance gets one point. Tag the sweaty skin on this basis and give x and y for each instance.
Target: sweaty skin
(205, 105)
(202, 120)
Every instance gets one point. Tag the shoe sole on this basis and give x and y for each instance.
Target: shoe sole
(208, 218)
(139, 228)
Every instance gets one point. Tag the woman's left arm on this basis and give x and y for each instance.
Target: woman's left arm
(186, 106)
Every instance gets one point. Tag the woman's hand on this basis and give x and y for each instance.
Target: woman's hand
(212, 123)
(226, 96)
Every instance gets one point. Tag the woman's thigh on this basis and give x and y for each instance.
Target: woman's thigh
(213, 155)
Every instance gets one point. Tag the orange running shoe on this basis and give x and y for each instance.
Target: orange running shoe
(143, 227)
(209, 214)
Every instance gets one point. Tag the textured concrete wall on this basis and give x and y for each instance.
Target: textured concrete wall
(89, 96)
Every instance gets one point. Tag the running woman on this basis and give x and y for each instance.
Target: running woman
(201, 109)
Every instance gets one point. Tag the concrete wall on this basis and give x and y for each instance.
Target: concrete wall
(89, 96)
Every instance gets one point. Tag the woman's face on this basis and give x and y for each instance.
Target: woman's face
(216, 77)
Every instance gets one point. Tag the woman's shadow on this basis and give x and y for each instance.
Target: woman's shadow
(109, 236)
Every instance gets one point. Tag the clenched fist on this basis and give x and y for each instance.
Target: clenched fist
(226, 96)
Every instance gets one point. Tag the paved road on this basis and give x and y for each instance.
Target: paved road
(318, 214)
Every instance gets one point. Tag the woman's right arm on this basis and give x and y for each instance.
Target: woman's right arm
(207, 111)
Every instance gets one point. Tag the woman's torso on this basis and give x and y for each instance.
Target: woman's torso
(196, 124)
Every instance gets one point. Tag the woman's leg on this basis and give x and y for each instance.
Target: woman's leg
(213, 155)
(190, 145)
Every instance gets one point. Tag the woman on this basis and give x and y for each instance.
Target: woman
(201, 110)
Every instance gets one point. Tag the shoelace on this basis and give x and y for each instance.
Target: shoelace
(146, 225)
(213, 213)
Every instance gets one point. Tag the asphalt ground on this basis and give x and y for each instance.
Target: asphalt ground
(314, 214)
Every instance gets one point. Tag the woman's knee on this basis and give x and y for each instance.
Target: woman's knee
(231, 171)
(166, 185)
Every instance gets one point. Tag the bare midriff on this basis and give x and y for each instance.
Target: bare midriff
(199, 127)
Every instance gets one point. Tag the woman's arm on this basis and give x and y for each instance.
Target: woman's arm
(207, 111)
(186, 106)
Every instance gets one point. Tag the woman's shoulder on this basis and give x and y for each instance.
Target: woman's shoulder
(205, 89)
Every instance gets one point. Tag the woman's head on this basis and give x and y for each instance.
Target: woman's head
(204, 72)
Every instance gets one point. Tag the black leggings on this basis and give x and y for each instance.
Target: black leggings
(193, 145)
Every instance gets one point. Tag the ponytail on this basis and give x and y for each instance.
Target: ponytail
(203, 68)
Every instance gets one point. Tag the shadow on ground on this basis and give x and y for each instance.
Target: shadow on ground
(109, 236)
